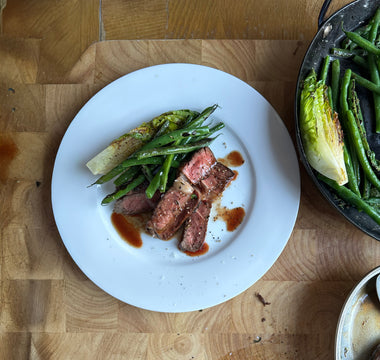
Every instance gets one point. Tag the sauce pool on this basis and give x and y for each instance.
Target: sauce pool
(126, 230)
(231, 217)
(234, 159)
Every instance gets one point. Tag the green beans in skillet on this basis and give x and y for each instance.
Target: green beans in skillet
(351, 198)
(362, 166)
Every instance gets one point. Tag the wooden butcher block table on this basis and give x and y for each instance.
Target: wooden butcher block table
(50, 310)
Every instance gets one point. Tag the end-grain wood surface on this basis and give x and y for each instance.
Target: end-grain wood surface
(54, 55)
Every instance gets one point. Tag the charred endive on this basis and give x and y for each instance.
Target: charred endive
(321, 132)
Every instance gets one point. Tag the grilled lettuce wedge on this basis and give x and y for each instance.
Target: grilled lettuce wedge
(321, 132)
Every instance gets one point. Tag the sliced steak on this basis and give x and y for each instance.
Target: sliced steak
(216, 181)
(195, 229)
(199, 165)
(173, 209)
(136, 202)
(194, 233)
(189, 200)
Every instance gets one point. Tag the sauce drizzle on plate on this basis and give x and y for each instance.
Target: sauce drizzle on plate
(126, 230)
(234, 159)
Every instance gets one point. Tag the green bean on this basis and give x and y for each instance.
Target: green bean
(352, 165)
(121, 192)
(180, 149)
(147, 172)
(359, 60)
(352, 179)
(362, 42)
(354, 105)
(363, 30)
(165, 172)
(325, 69)
(335, 83)
(153, 185)
(173, 136)
(344, 90)
(127, 175)
(192, 124)
(374, 70)
(198, 121)
(360, 151)
(366, 83)
(366, 188)
(216, 128)
(351, 198)
(123, 166)
(166, 167)
(374, 26)
(213, 130)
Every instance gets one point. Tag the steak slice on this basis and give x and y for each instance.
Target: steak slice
(194, 233)
(173, 209)
(195, 229)
(216, 181)
(136, 202)
(199, 165)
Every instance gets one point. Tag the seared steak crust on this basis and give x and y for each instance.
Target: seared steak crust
(216, 181)
(174, 208)
(195, 229)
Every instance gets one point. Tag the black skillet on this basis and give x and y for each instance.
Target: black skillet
(330, 35)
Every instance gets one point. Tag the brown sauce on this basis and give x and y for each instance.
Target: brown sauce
(232, 217)
(8, 151)
(127, 230)
(234, 159)
(203, 250)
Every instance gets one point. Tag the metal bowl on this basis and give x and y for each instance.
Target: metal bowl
(329, 35)
(358, 330)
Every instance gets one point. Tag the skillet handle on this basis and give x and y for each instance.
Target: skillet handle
(322, 13)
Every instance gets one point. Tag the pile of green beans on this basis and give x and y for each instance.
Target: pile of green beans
(362, 47)
(158, 160)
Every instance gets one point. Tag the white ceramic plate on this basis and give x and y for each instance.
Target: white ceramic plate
(158, 276)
